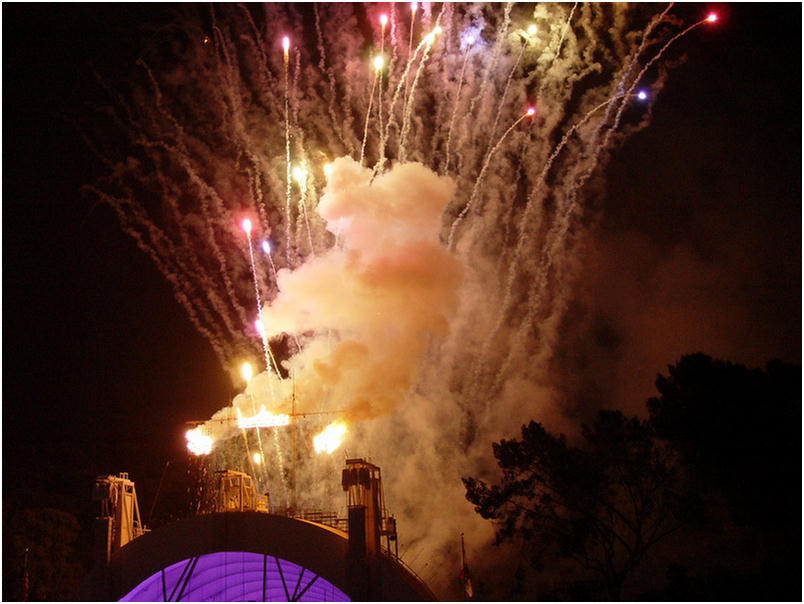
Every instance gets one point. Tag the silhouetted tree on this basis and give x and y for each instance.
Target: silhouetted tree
(737, 432)
(604, 503)
(52, 562)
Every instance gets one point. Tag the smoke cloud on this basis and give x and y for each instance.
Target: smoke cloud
(364, 311)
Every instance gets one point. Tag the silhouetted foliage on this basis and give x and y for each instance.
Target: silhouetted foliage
(53, 569)
(737, 432)
(722, 585)
(603, 504)
(720, 455)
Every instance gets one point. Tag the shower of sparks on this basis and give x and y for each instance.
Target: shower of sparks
(262, 419)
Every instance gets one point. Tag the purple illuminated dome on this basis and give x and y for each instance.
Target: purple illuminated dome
(235, 577)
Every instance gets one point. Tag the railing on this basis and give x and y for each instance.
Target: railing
(326, 518)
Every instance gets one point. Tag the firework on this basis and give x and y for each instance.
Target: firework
(427, 262)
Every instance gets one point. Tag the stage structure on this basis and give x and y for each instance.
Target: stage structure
(240, 552)
(119, 519)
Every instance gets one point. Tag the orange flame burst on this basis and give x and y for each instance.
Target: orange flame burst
(198, 443)
(330, 438)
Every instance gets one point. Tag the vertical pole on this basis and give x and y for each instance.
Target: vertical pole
(264, 572)
(293, 445)
(25, 577)
(463, 555)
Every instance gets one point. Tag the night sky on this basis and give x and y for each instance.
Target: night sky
(699, 233)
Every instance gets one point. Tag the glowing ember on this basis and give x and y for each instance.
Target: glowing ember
(330, 439)
(246, 371)
(299, 174)
(712, 17)
(262, 419)
(198, 443)
(257, 458)
(246, 224)
(285, 43)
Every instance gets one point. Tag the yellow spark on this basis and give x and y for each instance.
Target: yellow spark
(299, 174)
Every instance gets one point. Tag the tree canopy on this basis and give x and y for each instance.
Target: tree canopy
(737, 431)
(722, 446)
(603, 504)
(43, 562)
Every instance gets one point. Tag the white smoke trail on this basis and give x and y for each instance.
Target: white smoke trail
(455, 106)
(368, 115)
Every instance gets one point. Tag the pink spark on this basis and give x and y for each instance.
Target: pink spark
(246, 224)
(285, 43)
(530, 111)
(712, 17)
(383, 19)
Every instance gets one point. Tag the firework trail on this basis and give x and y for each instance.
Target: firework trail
(483, 169)
(469, 40)
(425, 337)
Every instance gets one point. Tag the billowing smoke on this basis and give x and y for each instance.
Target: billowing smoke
(419, 289)
(365, 310)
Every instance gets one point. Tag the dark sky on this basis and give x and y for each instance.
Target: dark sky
(699, 244)
(101, 367)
